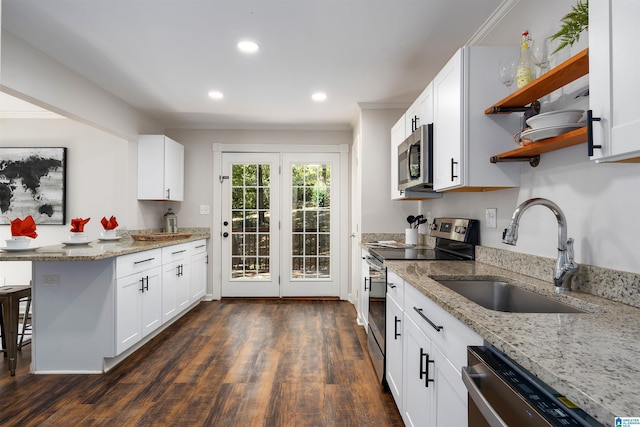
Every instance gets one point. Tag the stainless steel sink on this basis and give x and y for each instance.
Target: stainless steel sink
(502, 296)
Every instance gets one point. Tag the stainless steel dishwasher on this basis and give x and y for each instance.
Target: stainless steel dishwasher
(502, 393)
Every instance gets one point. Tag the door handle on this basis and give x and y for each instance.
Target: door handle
(395, 332)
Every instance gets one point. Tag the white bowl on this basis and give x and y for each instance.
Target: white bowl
(555, 118)
(18, 242)
(109, 234)
(78, 237)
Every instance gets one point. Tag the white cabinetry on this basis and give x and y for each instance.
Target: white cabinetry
(397, 137)
(613, 80)
(363, 292)
(394, 336)
(199, 259)
(138, 297)
(426, 350)
(175, 280)
(160, 168)
(464, 137)
(419, 113)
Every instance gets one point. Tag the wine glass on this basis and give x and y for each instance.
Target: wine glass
(540, 54)
(507, 72)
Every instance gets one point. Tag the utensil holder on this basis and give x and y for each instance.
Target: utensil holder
(411, 236)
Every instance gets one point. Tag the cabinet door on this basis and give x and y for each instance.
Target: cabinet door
(152, 300)
(450, 403)
(363, 292)
(174, 169)
(393, 354)
(128, 311)
(170, 275)
(614, 84)
(447, 125)
(426, 105)
(183, 288)
(198, 285)
(397, 137)
(418, 370)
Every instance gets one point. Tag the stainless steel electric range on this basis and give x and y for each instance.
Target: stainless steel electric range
(456, 239)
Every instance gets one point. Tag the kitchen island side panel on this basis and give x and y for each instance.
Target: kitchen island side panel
(73, 315)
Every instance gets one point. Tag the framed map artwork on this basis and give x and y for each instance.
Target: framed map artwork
(32, 182)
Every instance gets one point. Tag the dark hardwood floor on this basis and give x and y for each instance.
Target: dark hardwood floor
(226, 363)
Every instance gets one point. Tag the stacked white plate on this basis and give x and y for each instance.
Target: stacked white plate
(553, 123)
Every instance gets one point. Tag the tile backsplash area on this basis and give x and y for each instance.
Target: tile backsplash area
(614, 285)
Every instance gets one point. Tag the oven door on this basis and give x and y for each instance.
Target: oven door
(376, 316)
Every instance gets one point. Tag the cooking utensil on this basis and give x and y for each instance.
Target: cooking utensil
(411, 219)
(417, 220)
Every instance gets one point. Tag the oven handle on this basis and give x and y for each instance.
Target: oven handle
(373, 265)
(469, 374)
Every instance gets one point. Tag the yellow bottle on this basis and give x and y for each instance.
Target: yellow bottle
(523, 74)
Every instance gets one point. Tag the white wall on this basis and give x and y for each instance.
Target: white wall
(599, 200)
(379, 213)
(97, 179)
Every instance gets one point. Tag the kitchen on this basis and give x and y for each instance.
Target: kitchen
(592, 195)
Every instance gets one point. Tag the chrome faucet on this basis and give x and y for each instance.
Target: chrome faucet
(566, 268)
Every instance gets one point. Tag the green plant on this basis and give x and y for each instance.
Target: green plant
(573, 24)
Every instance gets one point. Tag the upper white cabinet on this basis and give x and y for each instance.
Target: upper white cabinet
(464, 137)
(613, 83)
(420, 112)
(397, 136)
(160, 168)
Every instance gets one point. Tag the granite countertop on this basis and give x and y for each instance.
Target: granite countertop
(591, 357)
(94, 250)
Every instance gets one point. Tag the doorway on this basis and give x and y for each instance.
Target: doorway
(280, 225)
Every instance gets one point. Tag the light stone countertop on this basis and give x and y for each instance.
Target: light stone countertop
(592, 358)
(94, 250)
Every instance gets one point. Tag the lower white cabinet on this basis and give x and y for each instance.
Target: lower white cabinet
(426, 350)
(138, 297)
(363, 292)
(176, 284)
(393, 354)
(199, 261)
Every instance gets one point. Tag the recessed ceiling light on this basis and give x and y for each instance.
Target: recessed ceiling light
(319, 96)
(216, 95)
(247, 46)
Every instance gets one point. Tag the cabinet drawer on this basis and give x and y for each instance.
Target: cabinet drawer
(175, 252)
(134, 263)
(198, 247)
(395, 287)
(452, 339)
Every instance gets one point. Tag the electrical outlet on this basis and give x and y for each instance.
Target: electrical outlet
(51, 280)
(491, 216)
(204, 209)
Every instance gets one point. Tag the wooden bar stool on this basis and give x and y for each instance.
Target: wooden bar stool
(10, 297)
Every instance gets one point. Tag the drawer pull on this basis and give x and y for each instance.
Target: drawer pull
(178, 252)
(424, 368)
(391, 285)
(419, 311)
(144, 260)
(200, 246)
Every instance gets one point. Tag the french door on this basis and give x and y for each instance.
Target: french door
(280, 224)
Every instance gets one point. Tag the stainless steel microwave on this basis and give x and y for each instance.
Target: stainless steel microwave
(415, 161)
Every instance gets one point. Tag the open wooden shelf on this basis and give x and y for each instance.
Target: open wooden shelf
(532, 151)
(570, 70)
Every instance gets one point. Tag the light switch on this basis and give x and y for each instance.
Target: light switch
(491, 216)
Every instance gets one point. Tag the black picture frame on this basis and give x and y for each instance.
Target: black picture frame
(33, 181)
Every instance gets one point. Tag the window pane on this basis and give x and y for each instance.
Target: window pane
(237, 175)
(237, 244)
(324, 220)
(250, 198)
(263, 221)
(250, 246)
(237, 220)
(264, 177)
(324, 264)
(324, 241)
(310, 221)
(263, 198)
(237, 198)
(251, 175)
(297, 244)
(310, 245)
(263, 244)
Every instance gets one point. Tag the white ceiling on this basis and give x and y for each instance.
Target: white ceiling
(164, 56)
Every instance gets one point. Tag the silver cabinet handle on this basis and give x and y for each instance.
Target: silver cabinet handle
(485, 408)
(144, 260)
